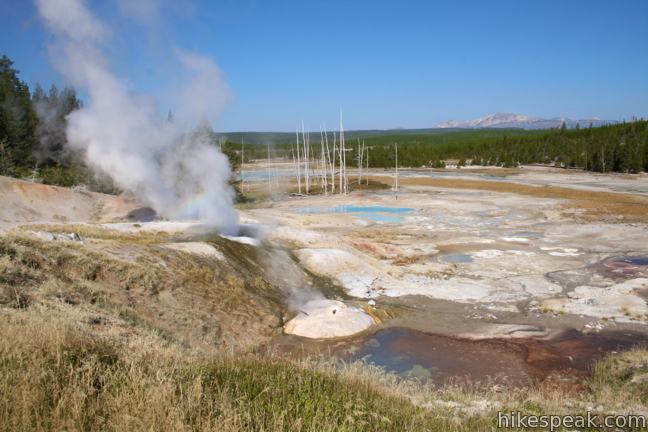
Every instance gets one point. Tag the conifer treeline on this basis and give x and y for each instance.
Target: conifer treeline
(613, 148)
(619, 147)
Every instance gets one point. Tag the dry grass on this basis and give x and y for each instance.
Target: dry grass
(28, 259)
(58, 375)
(605, 206)
(98, 232)
(405, 260)
(622, 380)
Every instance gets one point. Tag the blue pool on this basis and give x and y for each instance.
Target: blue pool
(373, 213)
(456, 258)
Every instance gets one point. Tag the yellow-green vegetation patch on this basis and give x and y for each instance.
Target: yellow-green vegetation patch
(623, 374)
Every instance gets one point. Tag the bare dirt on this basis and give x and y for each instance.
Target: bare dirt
(26, 202)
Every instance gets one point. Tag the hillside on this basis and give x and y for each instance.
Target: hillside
(509, 120)
(25, 201)
(278, 138)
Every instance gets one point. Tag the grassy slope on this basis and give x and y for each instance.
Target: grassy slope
(131, 279)
(56, 377)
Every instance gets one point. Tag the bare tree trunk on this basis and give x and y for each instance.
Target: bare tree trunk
(328, 160)
(268, 169)
(396, 177)
(242, 162)
(298, 163)
(360, 160)
(306, 159)
(333, 160)
(308, 163)
(275, 170)
(323, 163)
(292, 157)
(342, 157)
(367, 176)
(340, 151)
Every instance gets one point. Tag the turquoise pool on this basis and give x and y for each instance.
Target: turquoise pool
(373, 213)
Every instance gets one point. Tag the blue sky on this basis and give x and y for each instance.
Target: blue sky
(389, 64)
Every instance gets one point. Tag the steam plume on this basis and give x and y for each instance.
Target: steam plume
(181, 175)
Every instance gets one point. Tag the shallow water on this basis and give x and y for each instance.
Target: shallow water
(456, 258)
(379, 217)
(260, 175)
(449, 173)
(638, 260)
(441, 359)
(411, 353)
(626, 266)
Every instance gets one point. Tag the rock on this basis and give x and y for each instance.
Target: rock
(68, 236)
(142, 214)
(50, 236)
(45, 235)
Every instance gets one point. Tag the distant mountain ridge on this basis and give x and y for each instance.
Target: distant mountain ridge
(510, 120)
(499, 121)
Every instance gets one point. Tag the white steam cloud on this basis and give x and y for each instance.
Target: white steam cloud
(180, 175)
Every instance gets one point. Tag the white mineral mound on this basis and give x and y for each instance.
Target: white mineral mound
(323, 319)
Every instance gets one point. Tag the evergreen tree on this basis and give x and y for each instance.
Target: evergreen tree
(18, 120)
